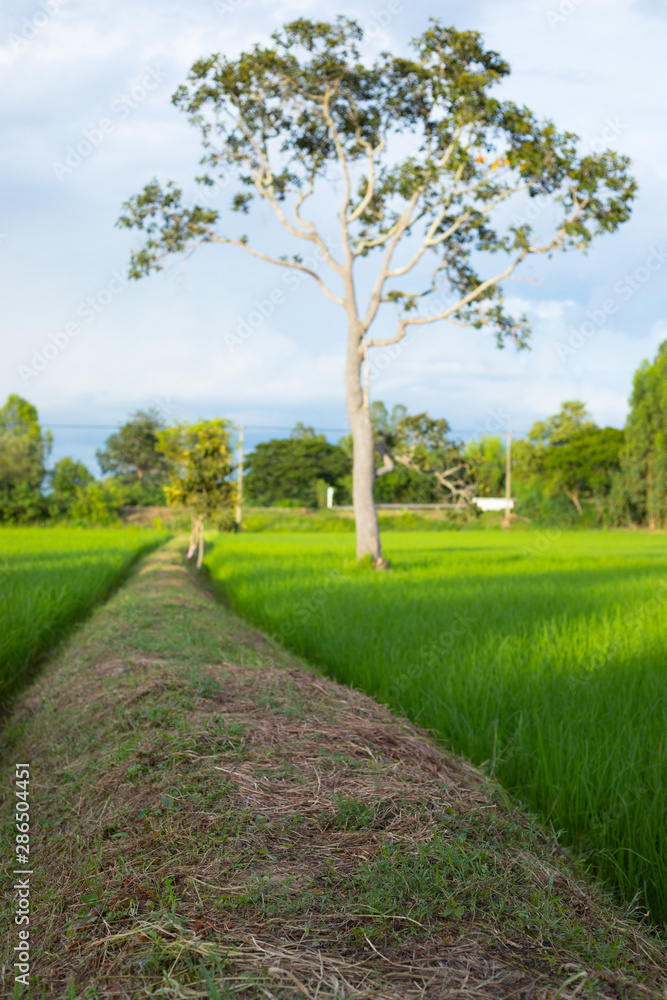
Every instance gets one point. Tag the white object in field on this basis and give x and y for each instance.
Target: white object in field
(330, 493)
(493, 503)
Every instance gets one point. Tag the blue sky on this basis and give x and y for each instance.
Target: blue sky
(103, 73)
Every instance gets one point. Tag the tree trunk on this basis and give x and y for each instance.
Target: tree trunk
(574, 497)
(200, 554)
(650, 506)
(197, 539)
(363, 462)
(192, 548)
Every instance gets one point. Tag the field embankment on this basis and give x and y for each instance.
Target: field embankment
(49, 579)
(212, 819)
(543, 654)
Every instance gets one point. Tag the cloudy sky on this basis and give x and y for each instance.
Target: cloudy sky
(168, 341)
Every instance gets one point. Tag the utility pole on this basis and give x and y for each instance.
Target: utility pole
(239, 483)
(508, 479)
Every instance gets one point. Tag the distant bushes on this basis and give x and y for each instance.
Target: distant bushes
(336, 524)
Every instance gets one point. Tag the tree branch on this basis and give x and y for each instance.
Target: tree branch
(370, 189)
(281, 263)
(400, 226)
(340, 152)
(267, 191)
(386, 342)
(387, 461)
(471, 296)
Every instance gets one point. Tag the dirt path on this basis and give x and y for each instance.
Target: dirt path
(213, 819)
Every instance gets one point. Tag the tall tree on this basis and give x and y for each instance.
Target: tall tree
(487, 459)
(67, 480)
(198, 458)
(559, 429)
(289, 468)
(24, 449)
(584, 465)
(132, 452)
(290, 118)
(423, 445)
(644, 459)
(571, 455)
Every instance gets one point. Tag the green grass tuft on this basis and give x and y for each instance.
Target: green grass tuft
(540, 654)
(50, 579)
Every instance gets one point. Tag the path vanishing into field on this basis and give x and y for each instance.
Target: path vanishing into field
(212, 818)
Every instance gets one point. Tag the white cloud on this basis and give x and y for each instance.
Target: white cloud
(163, 338)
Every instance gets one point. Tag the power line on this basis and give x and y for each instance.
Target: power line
(327, 430)
(248, 427)
(254, 427)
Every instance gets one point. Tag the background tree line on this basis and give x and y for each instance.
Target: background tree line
(568, 470)
(144, 463)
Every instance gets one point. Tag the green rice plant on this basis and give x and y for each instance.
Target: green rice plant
(541, 655)
(49, 579)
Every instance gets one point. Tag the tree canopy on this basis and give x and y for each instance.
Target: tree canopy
(487, 460)
(559, 429)
(423, 446)
(584, 465)
(276, 116)
(67, 481)
(568, 454)
(289, 469)
(24, 449)
(288, 121)
(132, 453)
(199, 466)
(643, 482)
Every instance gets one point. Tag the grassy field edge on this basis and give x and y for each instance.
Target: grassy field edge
(42, 602)
(550, 664)
(212, 818)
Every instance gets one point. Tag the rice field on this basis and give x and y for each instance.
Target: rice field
(49, 579)
(542, 656)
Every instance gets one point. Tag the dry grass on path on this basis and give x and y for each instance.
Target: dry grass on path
(214, 820)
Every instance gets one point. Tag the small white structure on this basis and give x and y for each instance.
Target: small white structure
(330, 493)
(492, 503)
